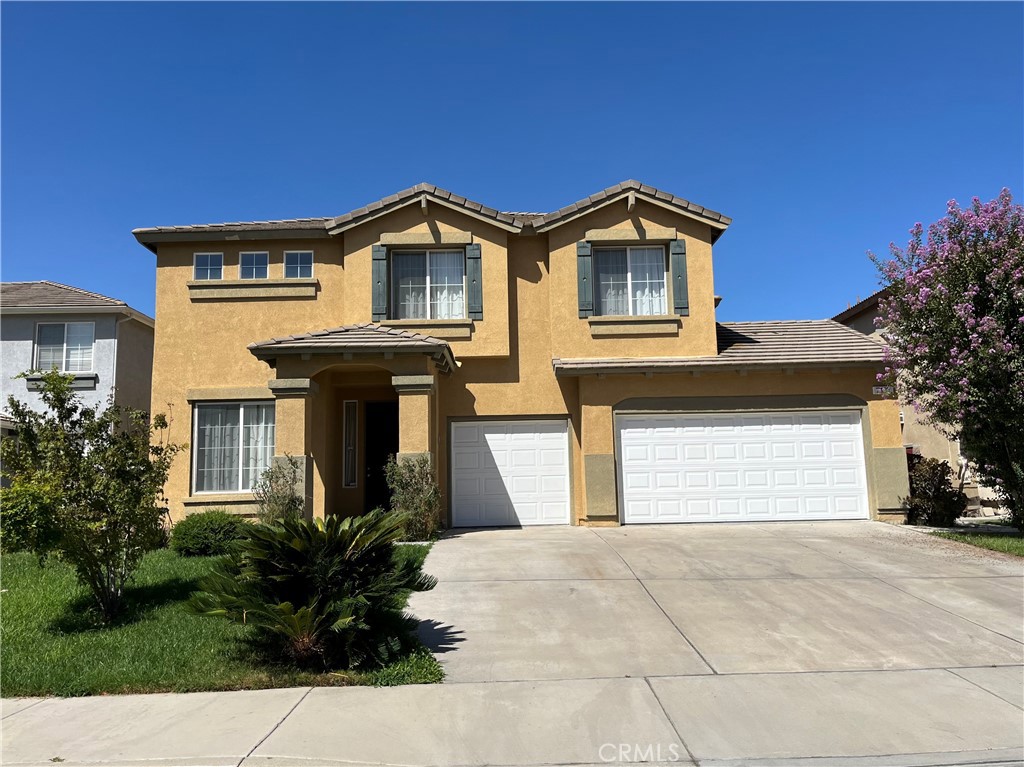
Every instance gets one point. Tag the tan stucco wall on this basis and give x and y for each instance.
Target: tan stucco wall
(134, 366)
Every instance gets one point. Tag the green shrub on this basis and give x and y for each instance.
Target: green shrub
(26, 517)
(208, 533)
(415, 496)
(327, 594)
(933, 499)
(276, 492)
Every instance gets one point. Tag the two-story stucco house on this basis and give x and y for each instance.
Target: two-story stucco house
(105, 344)
(560, 368)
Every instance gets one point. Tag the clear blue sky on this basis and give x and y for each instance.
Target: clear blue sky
(823, 130)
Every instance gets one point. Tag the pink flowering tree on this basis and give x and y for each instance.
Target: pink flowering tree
(953, 316)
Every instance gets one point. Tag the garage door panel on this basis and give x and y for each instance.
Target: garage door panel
(678, 468)
(510, 473)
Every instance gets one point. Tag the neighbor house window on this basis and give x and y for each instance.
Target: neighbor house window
(208, 266)
(428, 284)
(234, 443)
(298, 264)
(630, 281)
(66, 346)
(253, 266)
(350, 428)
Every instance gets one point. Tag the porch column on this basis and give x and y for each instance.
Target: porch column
(293, 420)
(416, 432)
(598, 450)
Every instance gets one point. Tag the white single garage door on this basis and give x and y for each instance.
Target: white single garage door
(509, 473)
(727, 467)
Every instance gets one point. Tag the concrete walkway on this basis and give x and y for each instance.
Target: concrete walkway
(808, 644)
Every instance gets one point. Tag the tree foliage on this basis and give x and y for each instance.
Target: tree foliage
(94, 481)
(276, 492)
(953, 317)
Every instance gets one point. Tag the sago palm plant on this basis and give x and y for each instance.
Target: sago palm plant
(327, 592)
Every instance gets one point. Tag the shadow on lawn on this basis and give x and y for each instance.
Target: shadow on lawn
(81, 614)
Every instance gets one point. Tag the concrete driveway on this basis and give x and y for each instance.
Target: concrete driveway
(802, 640)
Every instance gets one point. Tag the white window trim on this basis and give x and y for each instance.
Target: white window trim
(346, 481)
(629, 276)
(251, 253)
(195, 258)
(194, 453)
(64, 351)
(465, 297)
(312, 264)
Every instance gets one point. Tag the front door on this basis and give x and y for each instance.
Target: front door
(381, 442)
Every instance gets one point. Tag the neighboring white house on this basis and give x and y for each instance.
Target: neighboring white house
(103, 342)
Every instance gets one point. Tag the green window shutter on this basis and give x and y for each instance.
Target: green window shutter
(680, 291)
(474, 282)
(380, 283)
(585, 278)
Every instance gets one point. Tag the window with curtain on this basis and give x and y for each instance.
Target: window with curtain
(233, 445)
(66, 346)
(428, 284)
(630, 281)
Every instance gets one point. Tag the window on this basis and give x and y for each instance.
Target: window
(298, 264)
(66, 346)
(428, 284)
(234, 442)
(630, 281)
(208, 266)
(253, 266)
(351, 431)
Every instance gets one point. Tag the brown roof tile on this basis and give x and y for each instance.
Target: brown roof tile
(45, 294)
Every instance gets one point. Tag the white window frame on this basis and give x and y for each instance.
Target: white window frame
(243, 254)
(195, 276)
(629, 277)
(241, 447)
(64, 352)
(427, 251)
(312, 263)
(350, 482)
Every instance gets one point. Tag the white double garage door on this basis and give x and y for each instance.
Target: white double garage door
(672, 467)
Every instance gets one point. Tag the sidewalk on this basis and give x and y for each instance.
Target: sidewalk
(741, 719)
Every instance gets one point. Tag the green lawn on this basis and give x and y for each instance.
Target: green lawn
(1008, 543)
(50, 645)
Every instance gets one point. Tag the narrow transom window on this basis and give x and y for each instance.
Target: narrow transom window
(298, 264)
(253, 266)
(208, 266)
(428, 284)
(66, 346)
(351, 432)
(234, 444)
(630, 281)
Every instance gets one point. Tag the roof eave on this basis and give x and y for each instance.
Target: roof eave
(124, 309)
(442, 355)
(151, 238)
(707, 367)
(515, 226)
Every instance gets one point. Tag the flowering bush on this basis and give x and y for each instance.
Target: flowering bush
(953, 317)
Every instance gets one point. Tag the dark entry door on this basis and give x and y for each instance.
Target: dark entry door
(381, 441)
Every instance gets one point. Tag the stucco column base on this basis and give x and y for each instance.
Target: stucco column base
(599, 489)
(293, 414)
(891, 483)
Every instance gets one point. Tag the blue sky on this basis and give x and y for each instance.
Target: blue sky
(824, 130)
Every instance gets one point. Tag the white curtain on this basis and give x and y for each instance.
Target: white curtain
(217, 448)
(257, 442)
(447, 284)
(612, 282)
(409, 274)
(647, 274)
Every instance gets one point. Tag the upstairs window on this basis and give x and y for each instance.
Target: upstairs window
(298, 264)
(66, 346)
(428, 284)
(630, 281)
(208, 266)
(253, 266)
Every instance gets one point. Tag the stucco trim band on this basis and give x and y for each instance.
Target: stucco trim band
(640, 234)
(285, 387)
(443, 329)
(34, 382)
(228, 393)
(667, 325)
(392, 239)
(739, 403)
(209, 290)
(413, 384)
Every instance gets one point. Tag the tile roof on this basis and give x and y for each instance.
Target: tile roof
(366, 338)
(745, 345)
(246, 226)
(46, 294)
(861, 306)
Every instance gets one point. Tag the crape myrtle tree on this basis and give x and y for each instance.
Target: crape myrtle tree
(87, 486)
(953, 319)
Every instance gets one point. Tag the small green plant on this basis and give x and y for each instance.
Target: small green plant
(321, 594)
(26, 517)
(933, 500)
(208, 533)
(415, 496)
(276, 492)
